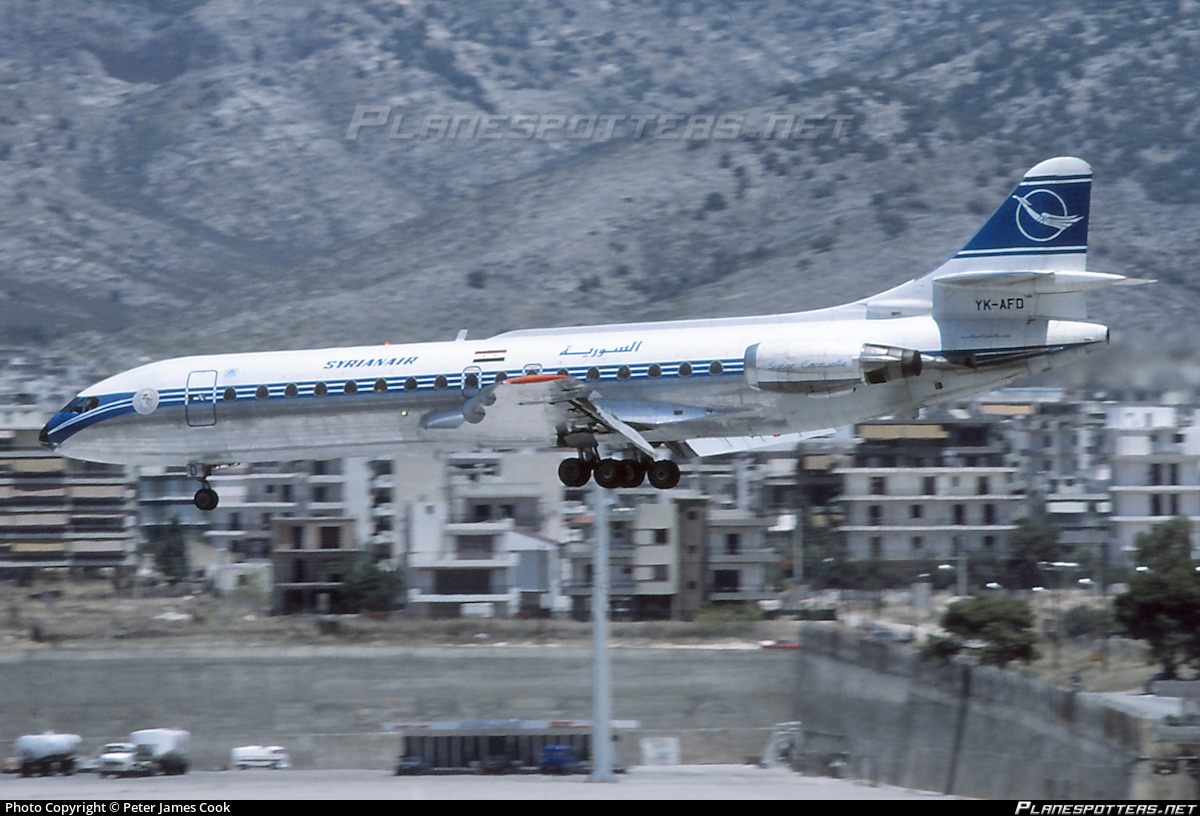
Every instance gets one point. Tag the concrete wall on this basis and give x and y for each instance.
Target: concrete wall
(958, 729)
(328, 706)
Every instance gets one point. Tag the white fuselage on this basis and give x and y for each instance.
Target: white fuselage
(1009, 304)
(675, 381)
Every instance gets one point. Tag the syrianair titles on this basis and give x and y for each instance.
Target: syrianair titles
(630, 401)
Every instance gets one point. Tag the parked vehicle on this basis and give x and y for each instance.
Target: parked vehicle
(124, 759)
(411, 765)
(259, 756)
(167, 748)
(47, 753)
(560, 759)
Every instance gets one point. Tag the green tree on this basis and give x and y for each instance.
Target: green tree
(168, 546)
(1033, 541)
(370, 588)
(1166, 546)
(1162, 607)
(1004, 625)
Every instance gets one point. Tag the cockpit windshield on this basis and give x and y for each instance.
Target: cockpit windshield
(79, 405)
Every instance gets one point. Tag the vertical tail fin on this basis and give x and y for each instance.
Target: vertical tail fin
(1042, 225)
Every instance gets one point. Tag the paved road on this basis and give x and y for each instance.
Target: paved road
(676, 782)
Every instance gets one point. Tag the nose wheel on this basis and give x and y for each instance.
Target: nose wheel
(206, 498)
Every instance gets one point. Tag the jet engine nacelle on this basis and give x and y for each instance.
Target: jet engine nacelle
(814, 368)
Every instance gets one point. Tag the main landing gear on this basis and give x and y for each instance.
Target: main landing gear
(612, 473)
(206, 498)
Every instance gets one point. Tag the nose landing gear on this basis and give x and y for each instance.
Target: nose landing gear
(206, 498)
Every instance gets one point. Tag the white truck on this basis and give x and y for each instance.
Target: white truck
(259, 756)
(124, 759)
(165, 748)
(47, 753)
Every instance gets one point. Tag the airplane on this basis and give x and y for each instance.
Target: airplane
(631, 400)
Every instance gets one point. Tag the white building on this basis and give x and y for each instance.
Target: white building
(482, 533)
(928, 490)
(1155, 470)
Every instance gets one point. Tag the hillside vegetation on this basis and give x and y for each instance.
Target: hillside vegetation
(178, 177)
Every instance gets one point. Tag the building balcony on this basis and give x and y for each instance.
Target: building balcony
(416, 596)
(742, 595)
(758, 556)
(908, 529)
(578, 588)
(441, 561)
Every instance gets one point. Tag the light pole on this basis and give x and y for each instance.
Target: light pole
(602, 770)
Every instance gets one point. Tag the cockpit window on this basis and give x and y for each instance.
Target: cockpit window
(80, 405)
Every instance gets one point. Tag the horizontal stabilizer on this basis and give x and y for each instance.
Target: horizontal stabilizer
(1017, 294)
(1030, 282)
(1012, 294)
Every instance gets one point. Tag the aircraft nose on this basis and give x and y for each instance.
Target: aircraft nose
(44, 437)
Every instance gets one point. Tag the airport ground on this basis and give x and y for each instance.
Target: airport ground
(331, 690)
(732, 782)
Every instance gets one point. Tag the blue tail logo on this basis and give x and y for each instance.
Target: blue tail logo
(1037, 218)
(1046, 214)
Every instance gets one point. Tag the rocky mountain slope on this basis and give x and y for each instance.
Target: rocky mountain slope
(181, 176)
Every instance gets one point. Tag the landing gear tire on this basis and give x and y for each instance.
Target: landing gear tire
(663, 474)
(574, 472)
(609, 473)
(633, 473)
(206, 499)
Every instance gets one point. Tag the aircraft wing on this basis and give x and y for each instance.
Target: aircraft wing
(548, 405)
(557, 407)
(717, 445)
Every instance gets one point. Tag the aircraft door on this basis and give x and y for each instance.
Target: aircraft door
(200, 401)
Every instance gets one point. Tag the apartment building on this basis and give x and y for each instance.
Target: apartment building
(1155, 461)
(482, 533)
(59, 513)
(928, 489)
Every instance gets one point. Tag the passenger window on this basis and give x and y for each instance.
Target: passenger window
(230, 394)
(291, 390)
(715, 368)
(685, 369)
(440, 382)
(501, 376)
(623, 373)
(655, 371)
(410, 384)
(320, 390)
(381, 386)
(593, 373)
(260, 392)
(471, 380)
(351, 387)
